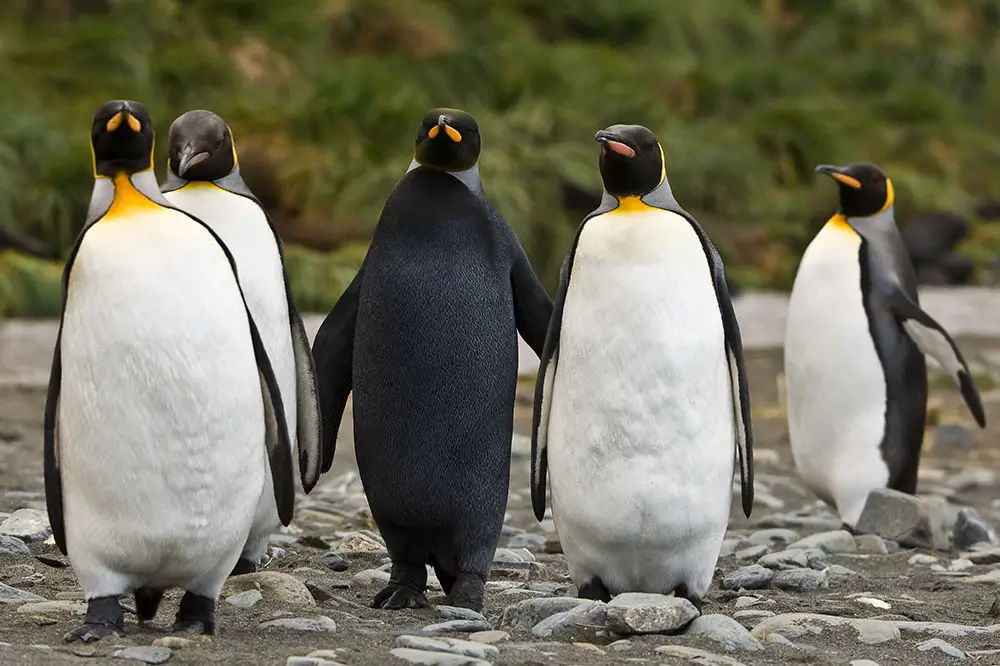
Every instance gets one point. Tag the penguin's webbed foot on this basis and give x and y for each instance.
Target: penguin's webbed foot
(468, 591)
(594, 589)
(104, 618)
(244, 566)
(196, 615)
(683, 592)
(397, 597)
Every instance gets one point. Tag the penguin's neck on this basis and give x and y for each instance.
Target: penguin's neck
(469, 177)
(114, 197)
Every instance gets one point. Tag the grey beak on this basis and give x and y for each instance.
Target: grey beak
(189, 158)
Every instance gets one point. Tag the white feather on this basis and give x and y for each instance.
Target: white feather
(160, 419)
(835, 384)
(641, 429)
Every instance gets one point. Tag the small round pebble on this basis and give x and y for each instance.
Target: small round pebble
(753, 577)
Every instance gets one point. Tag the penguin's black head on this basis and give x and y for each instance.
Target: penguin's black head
(122, 138)
(448, 139)
(201, 146)
(864, 189)
(631, 160)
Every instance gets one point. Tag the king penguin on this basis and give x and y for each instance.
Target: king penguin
(162, 410)
(203, 178)
(641, 401)
(855, 375)
(426, 337)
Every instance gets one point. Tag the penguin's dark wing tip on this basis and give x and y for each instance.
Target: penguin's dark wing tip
(971, 396)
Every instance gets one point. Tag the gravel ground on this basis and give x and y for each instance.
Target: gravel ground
(835, 599)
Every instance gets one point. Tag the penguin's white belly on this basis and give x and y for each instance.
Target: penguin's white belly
(243, 227)
(641, 433)
(161, 422)
(834, 380)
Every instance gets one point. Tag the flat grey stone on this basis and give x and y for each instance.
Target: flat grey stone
(28, 525)
(310, 661)
(836, 573)
(746, 602)
(906, 519)
(640, 613)
(525, 614)
(863, 662)
(952, 437)
(449, 645)
(316, 623)
(989, 556)
(458, 626)
(970, 530)
(938, 644)
(834, 541)
(751, 613)
(457, 613)
(502, 556)
(696, 656)
(753, 577)
(527, 540)
(13, 550)
(973, 477)
(335, 561)
(588, 613)
(945, 629)
(795, 625)
(790, 558)
(58, 606)
(435, 658)
(773, 536)
(145, 653)
(371, 577)
(800, 580)
(245, 600)
(489, 636)
(273, 585)
(724, 630)
(10, 594)
(729, 547)
(751, 553)
(624, 645)
(871, 544)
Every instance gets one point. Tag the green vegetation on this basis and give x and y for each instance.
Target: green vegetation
(324, 97)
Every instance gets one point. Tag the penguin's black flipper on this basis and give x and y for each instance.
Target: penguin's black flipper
(532, 305)
(333, 350)
(934, 341)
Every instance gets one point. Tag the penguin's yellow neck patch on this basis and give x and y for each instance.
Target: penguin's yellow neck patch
(839, 222)
(128, 200)
(200, 185)
(632, 205)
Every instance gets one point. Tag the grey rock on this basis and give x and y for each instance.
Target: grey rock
(753, 577)
(724, 630)
(506, 556)
(834, 541)
(773, 536)
(972, 477)
(10, 594)
(456, 613)
(489, 636)
(751, 553)
(145, 653)
(58, 606)
(922, 558)
(696, 656)
(524, 615)
(273, 585)
(13, 551)
(729, 547)
(335, 561)
(751, 613)
(800, 580)
(639, 613)
(795, 625)
(245, 600)
(310, 661)
(785, 559)
(970, 529)
(938, 644)
(588, 614)
(746, 602)
(623, 645)
(449, 645)
(871, 544)
(945, 629)
(863, 662)
(28, 525)
(316, 623)
(906, 519)
(988, 556)
(527, 540)
(952, 437)
(458, 626)
(836, 573)
(371, 577)
(435, 658)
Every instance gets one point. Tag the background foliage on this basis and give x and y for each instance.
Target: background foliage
(324, 97)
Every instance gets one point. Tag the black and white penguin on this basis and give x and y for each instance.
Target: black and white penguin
(641, 402)
(163, 413)
(855, 375)
(203, 178)
(426, 337)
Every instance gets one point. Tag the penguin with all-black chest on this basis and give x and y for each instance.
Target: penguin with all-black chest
(203, 178)
(162, 410)
(426, 337)
(855, 375)
(641, 402)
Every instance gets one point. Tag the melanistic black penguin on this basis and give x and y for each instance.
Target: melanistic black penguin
(426, 337)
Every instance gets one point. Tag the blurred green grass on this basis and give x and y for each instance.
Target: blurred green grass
(324, 97)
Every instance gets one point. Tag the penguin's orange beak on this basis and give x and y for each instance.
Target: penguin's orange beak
(614, 143)
(837, 174)
(450, 131)
(116, 120)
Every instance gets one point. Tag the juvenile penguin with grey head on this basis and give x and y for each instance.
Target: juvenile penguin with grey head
(426, 337)
(855, 375)
(641, 402)
(162, 413)
(203, 178)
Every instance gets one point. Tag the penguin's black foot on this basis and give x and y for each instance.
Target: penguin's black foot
(468, 592)
(849, 529)
(243, 566)
(594, 589)
(104, 618)
(682, 592)
(395, 597)
(196, 615)
(147, 601)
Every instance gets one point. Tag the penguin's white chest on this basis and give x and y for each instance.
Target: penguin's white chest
(641, 431)
(834, 380)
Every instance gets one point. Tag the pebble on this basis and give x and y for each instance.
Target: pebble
(724, 630)
(871, 544)
(72, 607)
(519, 558)
(13, 550)
(800, 580)
(489, 636)
(281, 586)
(753, 613)
(696, 656)
(972, 477)
(10, 594)
(335, 561)
(449, 645)
(989, 556)
(835, 573)
(746, 602)
(621, 646)
(173, 642)
(371, 577)
(943, 646)
(588, 613)
(729, 547)
(456, 613)
(772, 536)
(315, 623)
(793, 625)
(527, 540)
(785, 559)
(910, 521)
(146, 653)
(458, 626)
(753, 577)
(28, 525)
(524, 615)
(970, 529)
(835, 541)
(872, 601)
(436, 658)
(640, 613)
(310, 661)
(751, 553)
(922, 558)
(952, 437)
(245, 600)
(863, 662)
